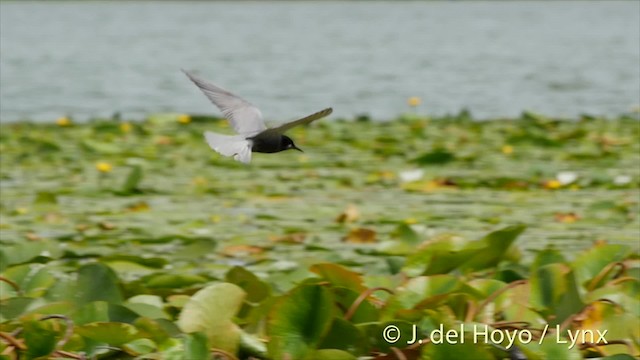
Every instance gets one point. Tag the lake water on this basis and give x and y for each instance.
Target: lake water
(290, 58)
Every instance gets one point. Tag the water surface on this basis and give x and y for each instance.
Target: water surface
(496, 58)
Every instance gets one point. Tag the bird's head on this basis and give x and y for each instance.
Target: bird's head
(286, 143)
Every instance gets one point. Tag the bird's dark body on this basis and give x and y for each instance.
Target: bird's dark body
(271, 143)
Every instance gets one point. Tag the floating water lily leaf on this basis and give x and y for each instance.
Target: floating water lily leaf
(173, 281)
(103, 148)
(345, 336)
(435, 157)
(447, 350)
(210, 311)
(339, 276)
(33, 280)
(28, 251)
(132, 182)
(139, 347)
(423, 291)
(40, 338)
(610, 321)
(256, 289)
(593, 260)
(298, 321)
(46, 197)
(494, 247)
(331, 354)
(97, 282)
(196, 346)
(554, 292)
(111, 333)
(550, 349)
(547, 256)
(346, 298)
(13, 307)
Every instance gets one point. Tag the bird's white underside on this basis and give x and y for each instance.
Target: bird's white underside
(230, 145)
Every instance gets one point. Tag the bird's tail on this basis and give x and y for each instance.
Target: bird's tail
(230, 145)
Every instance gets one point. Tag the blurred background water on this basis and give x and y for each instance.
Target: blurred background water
(88, 59)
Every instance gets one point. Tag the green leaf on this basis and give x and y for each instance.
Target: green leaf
(173, 281)
(331, 354)
(256, 289)
(46, 197)
(423, 291)
(345, 336)
(211, 311)
(495, 246)
(39, 338)
(436, 157)
(591, 262)
(112, 333)
(339, 276)
(33, 279)
(446, 351)
(554, 292)
(345, 298)
(196, 346)
(446, 254)
(298, 321)
(132, 181)
(98, 282)
(139, 347)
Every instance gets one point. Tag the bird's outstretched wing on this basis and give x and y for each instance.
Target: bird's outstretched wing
(245, 118)
(230, 145)
(305, 120)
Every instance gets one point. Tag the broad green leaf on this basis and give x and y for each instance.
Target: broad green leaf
(112, 333)
(338, 275)
(132, 181)
(139, 347)
(345, 298)
(447, 350)
(196, 346)
(593, 260)
(97, 282)
(211, 311)
(331, 354)
(345, 336)
(554, 292)
(256, 289)
(550, 348)
(425, 291)
(298, 322)
(173, 281)
(40, 338)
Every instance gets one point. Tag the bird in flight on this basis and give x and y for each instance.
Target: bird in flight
(246, 119)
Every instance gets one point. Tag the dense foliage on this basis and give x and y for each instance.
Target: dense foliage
(134, 240)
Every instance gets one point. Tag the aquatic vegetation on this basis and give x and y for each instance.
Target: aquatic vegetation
(133, 239)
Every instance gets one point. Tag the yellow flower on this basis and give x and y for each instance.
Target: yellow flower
(104, 167)
(63, 121)
(414, 101)
(125, 127)
(507, 149)
(184, 118)
(199, 181)
(410, 221)
(552, 184)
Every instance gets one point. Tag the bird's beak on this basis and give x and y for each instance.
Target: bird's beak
(297, 148)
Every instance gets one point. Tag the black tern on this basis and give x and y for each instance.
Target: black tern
(246, 119)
